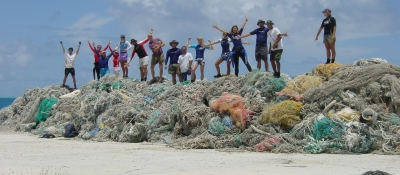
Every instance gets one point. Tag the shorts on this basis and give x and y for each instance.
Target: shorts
(157, 59)
(276, 54)
(173, 68)
(123, 56)
(225, 56)
(200, 61)
(184, 76)
(328, 39)
(69, 71)
(116, 71)
(262, 53)
(143, 61)
(104, 71)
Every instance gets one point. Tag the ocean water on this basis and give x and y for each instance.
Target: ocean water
(4, 102)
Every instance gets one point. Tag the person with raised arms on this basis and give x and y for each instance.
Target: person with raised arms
(69, 63)
(142, 54)
(200, 47)
(238, 49)
(103, 62)
(155, 45)
(174, 54)
(96, 68)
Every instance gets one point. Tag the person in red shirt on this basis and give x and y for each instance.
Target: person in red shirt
(96, 67)
(116, 68)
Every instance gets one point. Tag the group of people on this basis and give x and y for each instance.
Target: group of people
(182, 64)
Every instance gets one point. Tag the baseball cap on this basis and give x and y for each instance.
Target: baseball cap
(327, 10)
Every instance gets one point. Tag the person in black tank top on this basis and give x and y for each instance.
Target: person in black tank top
(329, 26)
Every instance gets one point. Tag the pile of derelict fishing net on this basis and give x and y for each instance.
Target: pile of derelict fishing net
(334, 109)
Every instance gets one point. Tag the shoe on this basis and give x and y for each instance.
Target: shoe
(63, 85)
(278, 74)
(217, 76)
(328, 61)
(333, 60)
(275, 74)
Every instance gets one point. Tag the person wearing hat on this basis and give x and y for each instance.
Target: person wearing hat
(69, 63)
(155, 45)
(103, 61)
(275, 48)
(329, 26)
(142, 54)
(174, 54)
(261, 52)
(96, 59)
(124, 46)
(200, 47)
(238, 49)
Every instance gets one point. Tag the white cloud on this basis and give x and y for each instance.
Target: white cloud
(19, 57)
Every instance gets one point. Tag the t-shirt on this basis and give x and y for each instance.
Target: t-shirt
(224, 44)
(199, 50)
(69, 60)
(236, 42)
(103, 62)
(124, 45)
(262, 36)
(184, 61)
(153, 45)
(273, 36)
(174, 54)
(139, 49)
(328, 23)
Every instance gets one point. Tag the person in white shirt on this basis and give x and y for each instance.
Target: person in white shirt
(275, 48)
(69, 63)
(184, 64)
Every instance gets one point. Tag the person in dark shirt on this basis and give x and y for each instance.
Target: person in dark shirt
(238, 49)
(200, 47)
(173, 57)
(142, 54)
(103, 61)
(329, 26)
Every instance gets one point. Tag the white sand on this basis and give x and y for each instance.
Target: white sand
(26, 154)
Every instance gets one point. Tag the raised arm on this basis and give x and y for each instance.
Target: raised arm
(79, 47)
(96, 52)
(210, 43)
(108, 46)
(62, 46)
(243, 36)
(91, 47)
(245, 22)
(216, 27)
(211, 47)
(187, 42)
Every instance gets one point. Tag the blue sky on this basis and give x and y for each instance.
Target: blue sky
(31, 56)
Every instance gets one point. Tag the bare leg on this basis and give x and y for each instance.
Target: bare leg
(173, 78)
(328, 52)
(193, 75)
(259, 64)
(152, 71)
(217, 63)
(161, 70)
(202, 70)
(228, 67)
(266, 65)
(74, 81)
(332, 49)
(273, 65)
(65, 79)
(278, 65)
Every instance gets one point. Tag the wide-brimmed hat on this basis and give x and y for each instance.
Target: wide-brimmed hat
(270, 22)
(173, 42)
(201, 38)
(260, 21)
(326, 10)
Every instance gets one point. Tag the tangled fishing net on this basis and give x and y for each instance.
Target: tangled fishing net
(338, 109)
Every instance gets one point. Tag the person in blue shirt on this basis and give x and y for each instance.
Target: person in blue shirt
(225, 55)
(262, 50)
(238, 49)
(173, 58)
(199, 59)
(103, 61)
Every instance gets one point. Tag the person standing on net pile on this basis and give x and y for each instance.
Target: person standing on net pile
(329, 26)
(142, 54)
(69, 63)
(199, 61)
(124, 46)
(261, 52)
(157, 57)
(275, 48)
(116, 68)
(173, 67)
(103, 62)
(96, 68)
(238, 49)
(185, 64)
(225, 55)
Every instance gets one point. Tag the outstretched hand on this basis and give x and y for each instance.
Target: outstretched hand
(189, 38)
(209, 41)
(80, 42)
(316, 38)
(285, 34)
(214, 26)
(151, 31)
(246, 18)
(246, 42)
(60, 42)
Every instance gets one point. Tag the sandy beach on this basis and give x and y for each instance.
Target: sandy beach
(22, 153)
